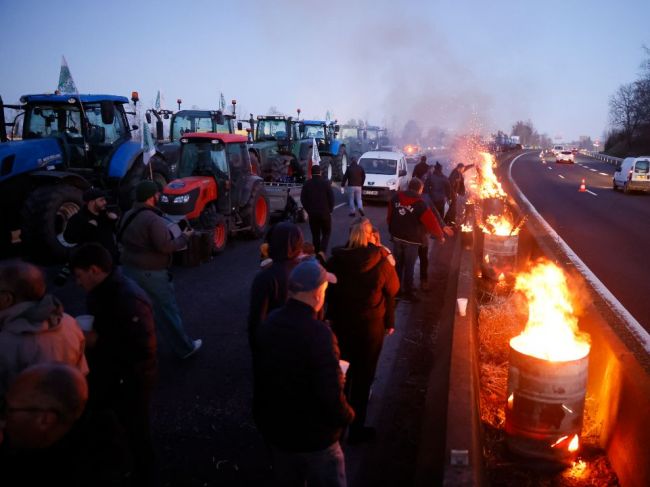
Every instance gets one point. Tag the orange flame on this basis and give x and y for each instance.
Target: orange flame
(499, 225)
(574, 444)
(490, 187)
(552, 329)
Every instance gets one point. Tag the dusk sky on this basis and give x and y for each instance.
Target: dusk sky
(452, 64)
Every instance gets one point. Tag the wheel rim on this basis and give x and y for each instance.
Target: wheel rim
(63, 215)
(219, 237)
(260, 212)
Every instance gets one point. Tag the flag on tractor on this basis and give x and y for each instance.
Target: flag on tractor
(222, 103)
(148, 145)
(66, 83)
(315, 155)
(158, 105)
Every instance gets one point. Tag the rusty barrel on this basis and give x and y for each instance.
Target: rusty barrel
(500, 252)
(545, 405)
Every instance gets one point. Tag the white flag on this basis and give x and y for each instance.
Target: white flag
(148, 145)
(315, 156)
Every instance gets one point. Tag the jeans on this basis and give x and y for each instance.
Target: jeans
(405, 255)
(321, 229)
(322, 468)
(354, 195)
(167, 316)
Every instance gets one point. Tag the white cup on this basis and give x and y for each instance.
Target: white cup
(344, 364)
(85, 322)
(462, 306)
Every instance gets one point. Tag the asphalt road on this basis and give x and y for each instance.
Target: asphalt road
(608, 230)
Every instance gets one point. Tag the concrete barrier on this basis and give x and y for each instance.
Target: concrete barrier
(618, 388)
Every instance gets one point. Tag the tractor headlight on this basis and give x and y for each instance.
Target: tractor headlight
(181, 199)
(164, 198)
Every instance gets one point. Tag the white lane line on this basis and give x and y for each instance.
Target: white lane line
(550, 168)
(561, 176)
(632, 324)
(603, 174)
(591, 192)
(593, 170)
(339, 205)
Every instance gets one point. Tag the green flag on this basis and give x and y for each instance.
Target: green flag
(66, 83)
(222, 103)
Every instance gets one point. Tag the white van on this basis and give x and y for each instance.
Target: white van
(386, 172)
(632, 174)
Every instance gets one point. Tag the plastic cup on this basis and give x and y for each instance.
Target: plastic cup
(462, 306)
(85, 322)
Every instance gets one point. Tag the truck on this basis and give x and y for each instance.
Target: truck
(332, 151)
(216, 190)
(67, 144)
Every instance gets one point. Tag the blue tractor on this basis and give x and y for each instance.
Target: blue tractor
(58, 146)
(332, 151)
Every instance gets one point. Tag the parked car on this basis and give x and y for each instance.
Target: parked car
(386, 172)
(565, 156)
(632, 174)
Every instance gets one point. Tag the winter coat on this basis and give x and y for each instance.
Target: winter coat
(410, 219)
(420, 170)
(85, 226)
(317, 197)
(437, 187)
(354, 176)
(457, 182)
(365, 281)
(298, 400)
(269, 288)
(147, 242)
(125, 350)
(33, 332)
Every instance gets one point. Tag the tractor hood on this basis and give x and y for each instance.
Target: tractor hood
(22, 156)
(188, 196)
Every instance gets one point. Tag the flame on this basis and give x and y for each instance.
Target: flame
(560, 440)
(465, 227)
(552, 329)
(511, 399)
(499, 225)
(502, 277)
(574, 444)
(490, 187)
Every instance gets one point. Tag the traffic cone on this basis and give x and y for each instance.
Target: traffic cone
(583, 187)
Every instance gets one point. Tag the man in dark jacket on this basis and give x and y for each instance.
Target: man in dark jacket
(93, 223)
(438, 189)
(421, 169)
(317, 199)
(409, 222)
(354, 176)
(270, 286)
(299, 405)
(457, 183)
(147, 249)
(121, 349)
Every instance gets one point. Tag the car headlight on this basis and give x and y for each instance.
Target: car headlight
(182, 199)
(391, 182)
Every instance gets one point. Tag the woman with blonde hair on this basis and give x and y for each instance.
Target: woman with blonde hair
(357, 306)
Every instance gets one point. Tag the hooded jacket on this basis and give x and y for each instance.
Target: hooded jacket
(365, 282)
(33, 332)
(410, 219)
(270, 285)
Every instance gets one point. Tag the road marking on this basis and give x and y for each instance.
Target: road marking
(561, 176)
(591, 192)
(632, 324)
(603, 174)
(593, 170)
(339, 205)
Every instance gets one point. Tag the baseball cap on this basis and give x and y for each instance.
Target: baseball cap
(315, 169)
(145, 190)
(309, 275)
(92, 194)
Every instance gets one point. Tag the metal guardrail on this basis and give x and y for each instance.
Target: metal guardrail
(603, 157)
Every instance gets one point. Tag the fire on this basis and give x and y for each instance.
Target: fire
(574, 444)
(466, 228)
(552, 329)
(490, 187)
(499, 225)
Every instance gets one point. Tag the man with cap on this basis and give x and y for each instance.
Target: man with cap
(317, 199)
(93, 223)
(298, 404)
(147, 249)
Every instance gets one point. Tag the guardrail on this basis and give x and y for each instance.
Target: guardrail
(603, 157)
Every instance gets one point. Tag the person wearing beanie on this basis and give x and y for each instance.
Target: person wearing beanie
(317, 199)
(147, 250)
(93, 223)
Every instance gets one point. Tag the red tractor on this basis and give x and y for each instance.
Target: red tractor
(216, 190)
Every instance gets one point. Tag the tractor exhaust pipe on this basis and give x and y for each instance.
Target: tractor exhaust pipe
(3, 126)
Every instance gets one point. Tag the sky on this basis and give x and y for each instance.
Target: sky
(458, 65)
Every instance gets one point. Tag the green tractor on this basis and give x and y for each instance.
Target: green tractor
(332, 151)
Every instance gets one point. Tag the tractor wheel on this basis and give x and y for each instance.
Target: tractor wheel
(256, 213)
(126, 189)
(340, 164)
(45, 216)
(214, 222)
(326, 169)
(255, 164)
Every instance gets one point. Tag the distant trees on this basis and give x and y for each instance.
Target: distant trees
(528, 136)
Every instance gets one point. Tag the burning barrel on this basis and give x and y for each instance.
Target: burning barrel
(545, 407)
(500, 252)
(547, 377)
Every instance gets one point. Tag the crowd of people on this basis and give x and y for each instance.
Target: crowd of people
(77, 401)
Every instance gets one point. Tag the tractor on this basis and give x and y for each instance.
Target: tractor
(355, 139)
(216, 190)
(67, 144)
(277, 150)
(376, 137)
(332, 151)
(182, 122)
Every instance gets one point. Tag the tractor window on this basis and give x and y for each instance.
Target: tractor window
(53, 121)
(314, 132)
(349, 133)
(100, 133)
(271, 130)
(238, 157)
(203, 158)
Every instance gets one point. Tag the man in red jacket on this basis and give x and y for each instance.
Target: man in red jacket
(410, 221)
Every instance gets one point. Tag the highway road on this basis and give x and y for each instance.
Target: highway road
(608, 230)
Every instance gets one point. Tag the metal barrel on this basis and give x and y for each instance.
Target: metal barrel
(500, 252)
(545, 405)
